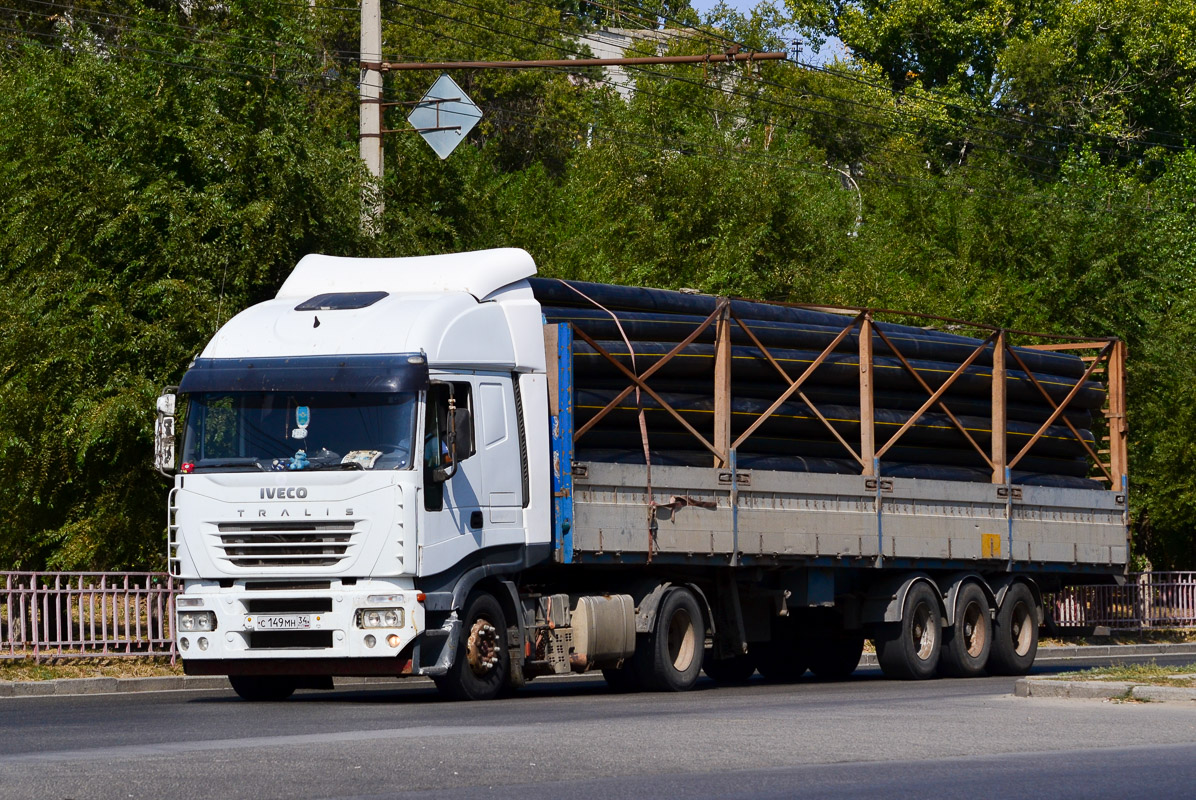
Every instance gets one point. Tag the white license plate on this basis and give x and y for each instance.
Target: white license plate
(283, 622)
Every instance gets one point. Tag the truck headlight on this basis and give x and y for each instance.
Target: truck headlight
(197, 621)
(380, 618)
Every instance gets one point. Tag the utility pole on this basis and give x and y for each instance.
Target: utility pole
(370, 88)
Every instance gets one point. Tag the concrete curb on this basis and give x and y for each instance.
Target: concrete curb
(168, 683)
(1097, 651)
(1102, 690)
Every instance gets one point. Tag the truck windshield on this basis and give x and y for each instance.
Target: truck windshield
(299, 430)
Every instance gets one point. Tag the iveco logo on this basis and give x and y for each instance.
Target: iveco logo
(284, 493)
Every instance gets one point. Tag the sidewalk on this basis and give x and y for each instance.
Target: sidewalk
(1025, 687)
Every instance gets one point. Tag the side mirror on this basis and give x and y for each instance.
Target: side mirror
(164, 438)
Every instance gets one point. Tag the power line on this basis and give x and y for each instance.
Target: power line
(946, 104)
(730, 92)
(683, 146)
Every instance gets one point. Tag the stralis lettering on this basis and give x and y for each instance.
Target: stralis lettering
(284, 493)
(307, 512)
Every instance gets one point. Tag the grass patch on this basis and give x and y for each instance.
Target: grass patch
(1152, 674)
(25, 669)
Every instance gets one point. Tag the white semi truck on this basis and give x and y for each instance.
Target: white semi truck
(385, 471)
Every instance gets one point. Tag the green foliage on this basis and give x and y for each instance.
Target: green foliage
(1010, 163)
(143, 205)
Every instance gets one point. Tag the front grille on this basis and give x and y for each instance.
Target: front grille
(278, 586)
(288, 605)
(286, 544)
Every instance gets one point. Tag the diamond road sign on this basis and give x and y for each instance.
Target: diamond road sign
(444, 116)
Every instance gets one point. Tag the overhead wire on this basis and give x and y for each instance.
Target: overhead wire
(905, 179)
(945, 103)
(732, 92)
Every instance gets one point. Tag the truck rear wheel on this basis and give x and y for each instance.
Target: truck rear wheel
(623, 679)
(967, 643)
(728, 671)
(482, 660)
(673, 658)
(1015, 633)
(909, 649)
(262, 688)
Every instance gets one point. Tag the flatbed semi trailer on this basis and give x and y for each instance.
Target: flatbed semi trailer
(389, 470)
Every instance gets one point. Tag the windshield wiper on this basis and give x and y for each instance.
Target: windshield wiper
(230, 463)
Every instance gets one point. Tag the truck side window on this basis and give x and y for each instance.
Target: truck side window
(436, 429)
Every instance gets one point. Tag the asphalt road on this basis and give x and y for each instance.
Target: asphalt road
(866, 737)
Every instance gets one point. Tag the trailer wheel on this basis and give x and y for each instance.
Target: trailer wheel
(835, 656)
(262, 688)
(482, 661)
(674, 655)
(909, 650)
(728, 671)
(1015, 633)
(967, 643)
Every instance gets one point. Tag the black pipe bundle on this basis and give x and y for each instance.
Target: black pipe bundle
(654, 321)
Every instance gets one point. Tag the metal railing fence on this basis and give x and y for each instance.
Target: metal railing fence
(1147, 600)
(86, 614)
(93, 614)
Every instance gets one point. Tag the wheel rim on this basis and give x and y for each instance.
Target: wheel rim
(682, 640)
(922, 632)
(481, 649)
(975, 632)
(1021, 630)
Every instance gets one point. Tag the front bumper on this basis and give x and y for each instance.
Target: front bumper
(327, 620)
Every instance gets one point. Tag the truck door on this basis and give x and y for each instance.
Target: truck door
(454, 514)
(481, 504)
(501, 462)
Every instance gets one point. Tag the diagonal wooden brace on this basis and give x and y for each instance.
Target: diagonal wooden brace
(794, 385)
(934, 396)
(1058, 409)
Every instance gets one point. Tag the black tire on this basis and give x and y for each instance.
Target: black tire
(782, 659)
(834, 655)
(909, 650)
(625, 678)
(967, 643)
(482, 661)
(675, 646)
(728, 671)
(1015, 633)
(262, 688)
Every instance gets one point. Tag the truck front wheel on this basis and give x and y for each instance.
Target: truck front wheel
(482, 660)
(910, 649)
(262, 688)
